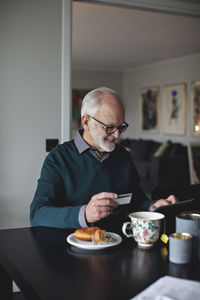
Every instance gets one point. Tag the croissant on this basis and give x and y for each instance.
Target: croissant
(85, 234)
(95, 234)
(99, 236)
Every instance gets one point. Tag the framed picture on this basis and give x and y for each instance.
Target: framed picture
(150, 109)
(194, 162)
(174, 109)
(77, 98)
(195, 108)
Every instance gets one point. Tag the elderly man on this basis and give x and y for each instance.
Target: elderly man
(81, 178)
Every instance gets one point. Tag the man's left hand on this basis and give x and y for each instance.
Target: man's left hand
(163, 202)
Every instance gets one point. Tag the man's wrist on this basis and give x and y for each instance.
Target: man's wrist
(81, 217)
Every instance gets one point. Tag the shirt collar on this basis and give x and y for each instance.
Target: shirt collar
(82, 146)
(80, 143)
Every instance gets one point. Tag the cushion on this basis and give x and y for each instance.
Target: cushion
(153, 149)
(162, 149)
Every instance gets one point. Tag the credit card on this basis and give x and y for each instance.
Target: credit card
(124, 199)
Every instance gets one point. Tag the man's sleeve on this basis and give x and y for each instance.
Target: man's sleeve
(48, 207)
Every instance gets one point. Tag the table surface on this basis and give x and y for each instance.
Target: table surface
(45, 266)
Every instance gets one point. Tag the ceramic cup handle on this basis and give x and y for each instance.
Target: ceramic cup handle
(127, 225)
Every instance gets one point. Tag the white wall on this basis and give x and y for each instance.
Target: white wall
(92, 79)
(182, 70)
(30, 99)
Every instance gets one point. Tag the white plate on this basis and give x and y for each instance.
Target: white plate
(72, 240)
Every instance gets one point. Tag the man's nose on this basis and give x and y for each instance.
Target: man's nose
(116, 134)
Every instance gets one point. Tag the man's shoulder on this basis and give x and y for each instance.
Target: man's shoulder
(63, 149)
(66, 145)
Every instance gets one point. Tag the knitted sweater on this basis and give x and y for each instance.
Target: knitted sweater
(69, 179)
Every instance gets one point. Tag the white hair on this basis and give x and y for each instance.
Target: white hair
(92, 100)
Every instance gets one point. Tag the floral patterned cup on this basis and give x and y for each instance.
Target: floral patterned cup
(145, 227)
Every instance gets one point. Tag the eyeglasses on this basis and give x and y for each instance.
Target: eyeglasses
(112, 129)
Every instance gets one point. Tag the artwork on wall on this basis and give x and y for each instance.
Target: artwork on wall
(174, 110)
(150, 109)
(77, 98)
(195, 108)
(194, 162)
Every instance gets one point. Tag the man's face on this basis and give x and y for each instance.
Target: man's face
(103, 141)
(110, 113)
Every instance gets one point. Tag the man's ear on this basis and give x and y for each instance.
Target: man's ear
(84, 122)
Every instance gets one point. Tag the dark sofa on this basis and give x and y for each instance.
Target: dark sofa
(159, 163)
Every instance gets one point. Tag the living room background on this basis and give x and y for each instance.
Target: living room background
(30, 85)
(129, 83)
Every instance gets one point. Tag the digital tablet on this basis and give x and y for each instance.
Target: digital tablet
(172, 209)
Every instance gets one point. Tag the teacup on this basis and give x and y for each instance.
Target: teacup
(145, 227)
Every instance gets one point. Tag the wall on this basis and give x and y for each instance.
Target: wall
(30, 97)
(92, 79)
(182, 70)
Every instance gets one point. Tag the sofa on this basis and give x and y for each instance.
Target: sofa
(159, 163)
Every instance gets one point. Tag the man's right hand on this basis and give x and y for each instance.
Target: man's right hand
(100, 206)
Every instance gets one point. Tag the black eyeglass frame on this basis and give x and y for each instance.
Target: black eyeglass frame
(121, 127)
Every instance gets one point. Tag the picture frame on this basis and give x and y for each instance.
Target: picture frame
(150, 102)
(174, 109)
(77, 98)
(195, 108)
(194, 162)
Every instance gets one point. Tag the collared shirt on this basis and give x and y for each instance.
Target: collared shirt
(82, 146)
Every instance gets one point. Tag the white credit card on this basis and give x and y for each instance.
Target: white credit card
(124, 199)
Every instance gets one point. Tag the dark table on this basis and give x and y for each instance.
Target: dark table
(46, 267)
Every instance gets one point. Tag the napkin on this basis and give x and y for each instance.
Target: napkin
(171, 288)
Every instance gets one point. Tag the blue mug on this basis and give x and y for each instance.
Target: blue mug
(180, 248)
(189, 222)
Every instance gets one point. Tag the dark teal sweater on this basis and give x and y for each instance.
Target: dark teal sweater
(68, 180)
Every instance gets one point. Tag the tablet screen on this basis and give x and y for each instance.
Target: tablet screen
(173, 208)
